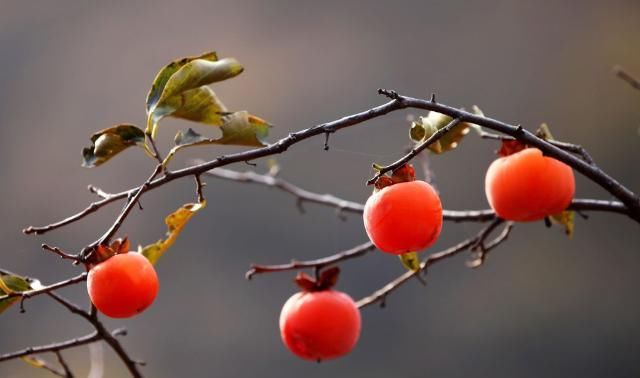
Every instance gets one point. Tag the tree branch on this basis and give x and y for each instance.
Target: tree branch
(53, 347)
(43, 290)
(354, 252)
(415, 151)
(381, 294)
(630, 199)
(66, 369)
(626, 76)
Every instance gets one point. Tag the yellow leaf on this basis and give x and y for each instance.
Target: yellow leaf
(198, 105)
(175, 223)
(451, 138)
(11, 283)
(34, 361)
(239, 129)
(109, 142)
(410, 261)
(179, 90)
(544, 132)
(565, 219)
(166, 72)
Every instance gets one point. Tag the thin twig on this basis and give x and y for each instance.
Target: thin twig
(415, 151)
(93, 336)
(45, 289)
(481, 249)
(626, 76)
(61, 253)
(199, 188)
(381, 294)
(99, 192)
(63, 363)
(127, 209)
(354, 252)
(156, 153)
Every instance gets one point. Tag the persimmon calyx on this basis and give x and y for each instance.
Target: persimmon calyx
(103, 252)
(404, 173)
(510, 147)
(327, 280)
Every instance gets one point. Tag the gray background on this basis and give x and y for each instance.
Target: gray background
(541, 306)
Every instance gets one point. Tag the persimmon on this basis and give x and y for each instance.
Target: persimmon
(527, 186)
(319, 323)
(404, 215)
(123, 285)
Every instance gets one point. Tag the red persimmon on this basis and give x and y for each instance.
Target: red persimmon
(320, 325)
(123, 285)
(527, 186)
(403, 217)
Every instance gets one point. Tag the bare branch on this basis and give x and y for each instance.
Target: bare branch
(301, 194)
(61, 253)
(354, 252)
(415, 151)
(199, 187)
(127, 209)
(63, 363)
(45, 289)
(626, 76)
(481, 248)
(93, 336)
(381, 294)
(99, 192)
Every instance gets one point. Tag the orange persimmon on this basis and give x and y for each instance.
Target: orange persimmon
(527, 186)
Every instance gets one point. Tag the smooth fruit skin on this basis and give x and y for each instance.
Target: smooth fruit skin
(528, 186)
(320, 325)
(123, 286)
(403, 217)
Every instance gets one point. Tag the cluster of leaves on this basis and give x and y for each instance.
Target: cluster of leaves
(180, 90)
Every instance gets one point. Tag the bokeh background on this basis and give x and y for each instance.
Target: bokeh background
(542, 305)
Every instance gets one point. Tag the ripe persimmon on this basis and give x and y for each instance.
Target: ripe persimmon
(403, 216)
(123, 285)
(319, 323)
(527, 186)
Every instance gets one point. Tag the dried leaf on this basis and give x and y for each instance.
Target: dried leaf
(544, 132)
(198, 105)
(239, 128)
(477, 111)
(411, 261)
(243, 129)
(451, 138)
(175, 223)
(11, 283)
(567, 220)
(165, 74)
(34, 361)
(107, 143)
(180, 90)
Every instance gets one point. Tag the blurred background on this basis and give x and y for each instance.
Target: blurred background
(542, 305)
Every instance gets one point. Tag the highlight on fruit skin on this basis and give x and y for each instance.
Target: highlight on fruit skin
(526, 186)
(122, 286)
(403, 217)
(320, 325)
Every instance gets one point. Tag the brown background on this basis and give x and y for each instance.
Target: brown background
(541, 306)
